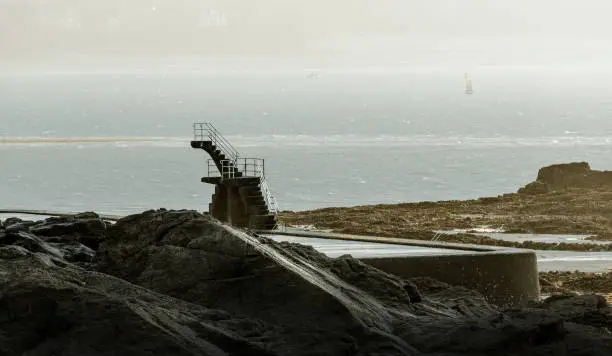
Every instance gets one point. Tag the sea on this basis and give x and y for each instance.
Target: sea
(336, 136)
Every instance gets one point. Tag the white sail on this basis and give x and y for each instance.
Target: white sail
(468, 85)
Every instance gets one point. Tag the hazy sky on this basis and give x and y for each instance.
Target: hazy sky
(34, 28)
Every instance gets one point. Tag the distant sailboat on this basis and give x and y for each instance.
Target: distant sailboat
(313, 74)
(468, 85)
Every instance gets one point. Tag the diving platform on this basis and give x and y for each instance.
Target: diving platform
(242, 195)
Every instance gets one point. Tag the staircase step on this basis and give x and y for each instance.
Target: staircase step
(250, 190)
(266, 221)
(260, 209)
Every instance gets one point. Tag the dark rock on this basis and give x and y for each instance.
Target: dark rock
(21, 226)
(16, 224)
(30, 242)
(87, 215)
(75, 252)
(155, 249)
(11, 221)
(56, 220)
(200, 289)
(89, 232)
(15, 242)
(13, 252)
(590, 310)
(75, 227)
(46, 310)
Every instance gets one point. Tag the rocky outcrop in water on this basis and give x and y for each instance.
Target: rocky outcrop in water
(568, 175)
(180, 283)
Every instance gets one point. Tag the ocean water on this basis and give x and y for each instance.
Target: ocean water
(351, 136)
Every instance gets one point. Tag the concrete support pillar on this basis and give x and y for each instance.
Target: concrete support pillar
(240, 203)
(219, 204)
(231, 202)
(236, 211)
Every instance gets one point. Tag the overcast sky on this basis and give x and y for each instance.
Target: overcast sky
(30, 28)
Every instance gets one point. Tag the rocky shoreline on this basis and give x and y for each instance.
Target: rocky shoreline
(564, 199)
(180, 283)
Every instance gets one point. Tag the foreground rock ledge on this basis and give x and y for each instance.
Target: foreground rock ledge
(179, 283)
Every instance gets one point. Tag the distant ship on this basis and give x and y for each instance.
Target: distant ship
(468, 85)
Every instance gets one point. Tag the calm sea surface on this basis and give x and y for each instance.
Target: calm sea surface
(347, 137)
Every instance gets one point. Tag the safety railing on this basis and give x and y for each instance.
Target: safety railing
(268, 197)
(247, 167)
(205, 131)
(251, 167)
(226, 170)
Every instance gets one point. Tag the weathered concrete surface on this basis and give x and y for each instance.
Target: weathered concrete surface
(506, 277)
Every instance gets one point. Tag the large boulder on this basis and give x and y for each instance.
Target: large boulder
(86, 228)
(69, 251)
(560, 175)
(195, 258)
(48, 307)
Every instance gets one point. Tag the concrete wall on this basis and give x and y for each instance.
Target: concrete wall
(506, 278)
(229, 206)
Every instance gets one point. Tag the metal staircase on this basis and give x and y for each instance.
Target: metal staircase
(227, 167)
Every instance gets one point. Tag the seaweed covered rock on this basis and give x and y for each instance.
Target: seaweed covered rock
(566, 176)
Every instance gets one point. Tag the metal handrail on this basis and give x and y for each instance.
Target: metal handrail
(248, 167)
(251, 167)
(268, 197)
(225, 170)
(202, 130)
(228, 170)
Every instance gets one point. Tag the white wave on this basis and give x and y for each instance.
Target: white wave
(334, 140)
(575, 258)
